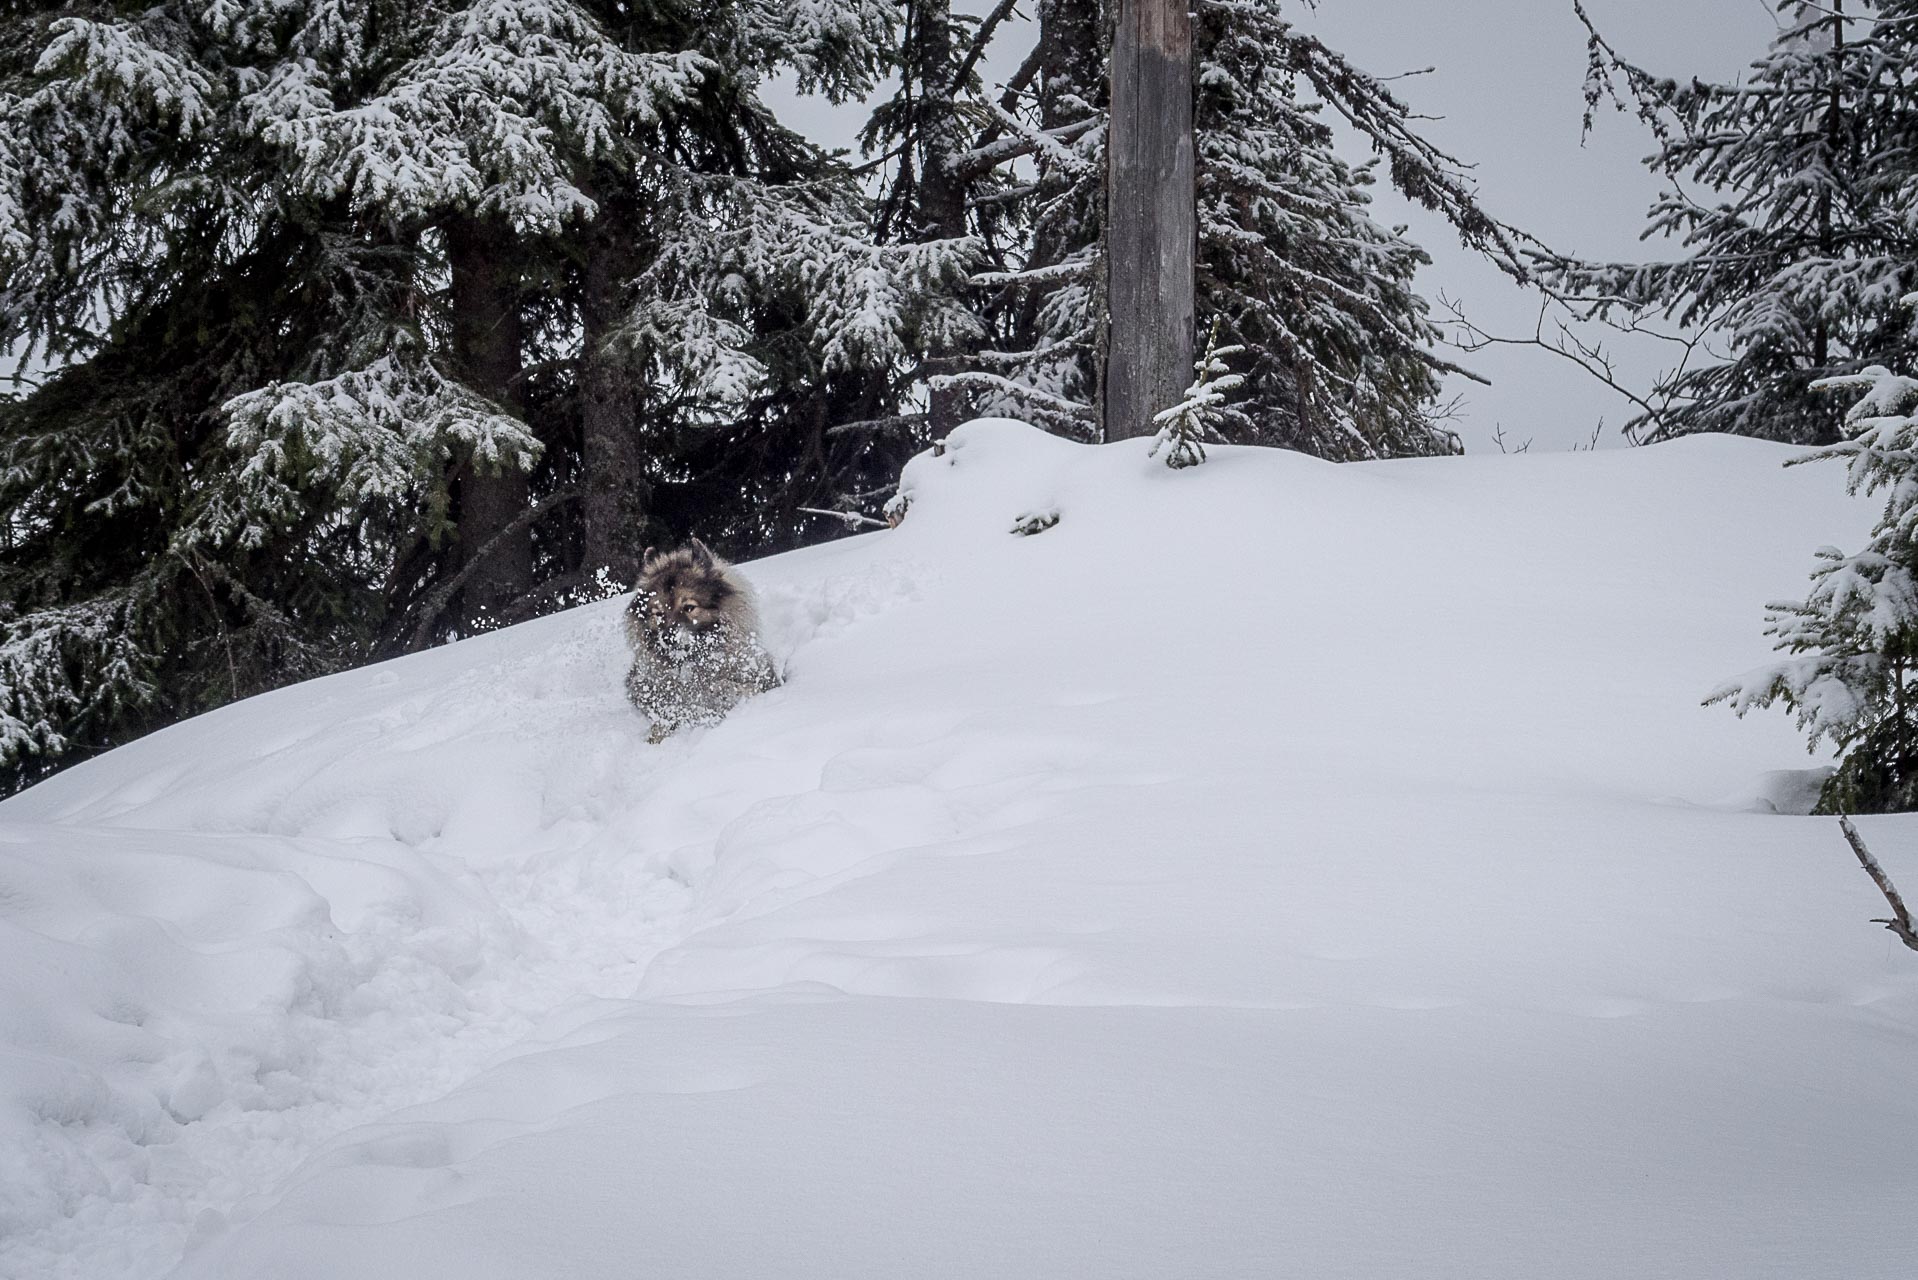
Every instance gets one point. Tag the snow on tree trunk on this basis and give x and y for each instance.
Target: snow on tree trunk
(1152, 233)
(482, 257)
(613, 502)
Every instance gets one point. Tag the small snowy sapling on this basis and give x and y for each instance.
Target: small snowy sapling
(1184, 428)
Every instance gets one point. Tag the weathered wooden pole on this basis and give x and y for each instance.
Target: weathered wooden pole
(1151, 216)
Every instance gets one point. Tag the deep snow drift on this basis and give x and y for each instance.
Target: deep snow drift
(1270, 869)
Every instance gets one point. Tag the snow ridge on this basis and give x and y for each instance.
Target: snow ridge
(1265, 867)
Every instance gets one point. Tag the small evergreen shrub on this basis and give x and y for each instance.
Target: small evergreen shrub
(1852, 643)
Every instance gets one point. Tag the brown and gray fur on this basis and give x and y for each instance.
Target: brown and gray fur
(695, 637)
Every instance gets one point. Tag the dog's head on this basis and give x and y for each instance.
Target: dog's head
(688, 587)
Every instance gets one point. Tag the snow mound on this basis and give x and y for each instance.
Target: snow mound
(1267, 868)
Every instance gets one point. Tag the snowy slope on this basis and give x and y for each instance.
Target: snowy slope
(1272, 869)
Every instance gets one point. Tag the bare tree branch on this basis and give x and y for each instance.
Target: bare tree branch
(892, 422)
(989, 155)
(1654, 406)
(1900, 922)
(442, 595)
(980, 39)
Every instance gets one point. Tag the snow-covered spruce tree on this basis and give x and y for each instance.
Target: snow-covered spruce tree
(932, 188)
(1851, 674)
(620, 228)
(471, 130)
(1336, 359)
(1790, 192)
(1044, 292)
(1337, 350)
(722, 332)
(240, 229)
(142, 261)
(251, 461)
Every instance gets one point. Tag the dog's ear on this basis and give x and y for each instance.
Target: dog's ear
(648, 558)
(704, 553)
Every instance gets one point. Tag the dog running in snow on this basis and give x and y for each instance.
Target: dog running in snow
(694, 631)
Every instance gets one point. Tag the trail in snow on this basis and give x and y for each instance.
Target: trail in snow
(314, 1029)
(347, 901)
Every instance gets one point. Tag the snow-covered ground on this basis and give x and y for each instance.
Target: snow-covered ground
(1272, 869)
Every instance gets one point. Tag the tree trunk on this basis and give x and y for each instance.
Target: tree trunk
(1152, 226)
(942, 192)
(614, 490)
(483, 259)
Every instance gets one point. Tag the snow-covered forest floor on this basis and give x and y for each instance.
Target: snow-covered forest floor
(1270, 869)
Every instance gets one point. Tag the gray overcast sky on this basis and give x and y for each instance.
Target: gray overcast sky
(1506, 87)
(1506, 81)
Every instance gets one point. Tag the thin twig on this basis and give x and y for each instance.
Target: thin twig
(1592, 357)
(226, 632)
(1498, 438)
(442, 595)
(1900, 922)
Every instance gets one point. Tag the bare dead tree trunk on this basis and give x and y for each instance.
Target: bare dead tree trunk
(1152, 227)
(1900, 922)
(483, 258)
(614, 491)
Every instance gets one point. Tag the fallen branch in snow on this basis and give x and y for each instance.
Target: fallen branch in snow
(1900, 922)
(851, 519)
